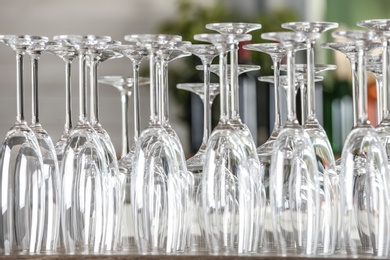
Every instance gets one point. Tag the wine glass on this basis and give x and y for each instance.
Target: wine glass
(136, 54)
(323, 150)
(51, 173)
(294, 185)
(277, 52)
(233, 199)
(125, 86)
(67, 53)
(197, 240)
(206, 53)
(22, 171)
(235, 28)
(364, 184)
(159, 182)
(96, 54)
(382, 27)
(85, 172)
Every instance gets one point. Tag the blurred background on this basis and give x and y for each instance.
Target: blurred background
(117, 18)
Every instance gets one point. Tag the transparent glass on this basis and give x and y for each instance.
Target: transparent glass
(233, 197)
(382, 27)
(159, 184)
(51, 173)
(323, 150)
(294, 184)
(136, 54)
(96, 54)
(86, 179)
(264, 151)
(22, 172)
(374, 65)
(363, 179)
(197, 239)
(67, 53)
(125, 86)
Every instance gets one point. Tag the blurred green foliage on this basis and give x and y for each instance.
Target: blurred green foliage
(191, 19)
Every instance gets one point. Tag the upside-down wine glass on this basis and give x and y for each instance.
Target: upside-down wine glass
(51, 173)
(125, 86)
(22, 180)
(363, 181)
(294, 183)
(322, 148)
(233, 196)
(159, 184)
(97, 54)
(67, 53)
(356, 231)
(206, 53)
(84, 170)
(233, 87)
(196, 238)
(135, 54)
(277, 52)
(382, 27)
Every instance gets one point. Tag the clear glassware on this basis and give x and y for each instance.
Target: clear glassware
(136, 54)
(374, 65)
(96, 54)
(159, 183)
(125, 86)
(67, 53)
(233, 196)
(235, 28)
(197, 240)
(264, 151)
(295, 183)
(85, 171)
(206, 53)
(382, 27)
(323, 149)
(363, 179)
(22, 177)
(51, 173)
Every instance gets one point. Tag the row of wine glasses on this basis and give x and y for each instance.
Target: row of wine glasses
(288, 197)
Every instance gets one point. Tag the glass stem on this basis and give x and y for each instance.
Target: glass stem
(68, 96)
(278, 118)
(154, 115)
(164, 99)
(206, 102)
(362, 85)
(34, 82)
(291, 110)
(379, 94)
(125, 122)
(310, 89)
(137, 123)
(82, 87)
(385, 79)
(19, 87)
(94, 88)
(304, 101)
(223, 84)
(355, 88)
(233, 89)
